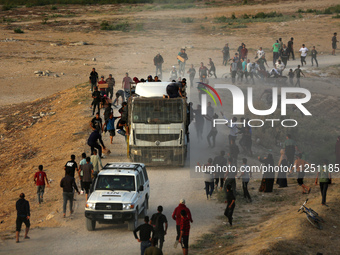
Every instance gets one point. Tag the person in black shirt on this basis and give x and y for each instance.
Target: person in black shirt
(23, 216)
(230, 205)
(314, 53)
(219, 161)
(157, 221)
(68, 184)
(93, 78)
(96, 122)
(291, 48)
(145, 231)
(93, 142)
(158, 61)
(212, 70)
(96, 100)
(71, 165)
(226, 54)
(334, 41)
(284, 54)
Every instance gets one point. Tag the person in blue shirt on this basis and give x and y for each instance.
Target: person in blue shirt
(110, 126)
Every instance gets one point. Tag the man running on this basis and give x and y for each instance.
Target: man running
(313, 54)
(303, 51)
(212, 68)
(298, 73)
(93, 142)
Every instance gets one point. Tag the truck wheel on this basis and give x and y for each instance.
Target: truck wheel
(132, 224)
(146, 206)
(90, 224)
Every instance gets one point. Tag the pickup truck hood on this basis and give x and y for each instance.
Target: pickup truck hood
(112, 196)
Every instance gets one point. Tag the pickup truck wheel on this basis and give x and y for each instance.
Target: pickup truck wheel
(90, 224)
(132, 224)
(146, 206)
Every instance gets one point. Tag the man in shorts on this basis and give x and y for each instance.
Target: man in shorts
(110, 126)
(185, 229)
(23, 216)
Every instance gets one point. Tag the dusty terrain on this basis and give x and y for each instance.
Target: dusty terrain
(267, 226)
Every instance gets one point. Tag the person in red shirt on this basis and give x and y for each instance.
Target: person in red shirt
(176, 215)
(39, 179)
(244, 52)
(185, 229)
(102, 86)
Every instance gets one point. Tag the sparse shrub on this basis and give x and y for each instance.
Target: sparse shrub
(53, 8)
(233, 16)
(187, 20)
(18, 31)
(336, 16)
(221, 19)
(202, 27)
(245, 16)
(262, 15)
(124, 26)
(44, 20)
(7, 7)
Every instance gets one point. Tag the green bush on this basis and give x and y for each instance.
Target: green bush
(262, 15)
(233, 16)
(7, 7)
(336, 16)
(245, 16)
(18, 31)
(53, 8)
(123, 26)
(187, 20)
(221, 19)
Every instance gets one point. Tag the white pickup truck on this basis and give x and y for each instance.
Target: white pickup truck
(121, 193)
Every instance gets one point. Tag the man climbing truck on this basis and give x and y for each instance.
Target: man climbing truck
(157, 126)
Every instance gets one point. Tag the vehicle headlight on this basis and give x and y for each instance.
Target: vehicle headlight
(136, 152)
(91, 206)
(128, 206)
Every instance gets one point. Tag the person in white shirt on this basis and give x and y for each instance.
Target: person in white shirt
(303, 51)
(259, 53)
(279, 67)
(249, 71)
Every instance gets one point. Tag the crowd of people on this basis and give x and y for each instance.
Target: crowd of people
(153, 231)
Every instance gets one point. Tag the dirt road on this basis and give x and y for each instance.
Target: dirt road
(168, 186)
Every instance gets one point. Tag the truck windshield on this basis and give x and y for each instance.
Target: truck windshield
(162, 111)
(115, 182)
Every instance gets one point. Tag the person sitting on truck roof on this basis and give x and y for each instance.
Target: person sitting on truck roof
(173, 90)
(156, 79)
(149, 79)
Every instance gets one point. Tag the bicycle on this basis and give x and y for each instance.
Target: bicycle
(312, 216)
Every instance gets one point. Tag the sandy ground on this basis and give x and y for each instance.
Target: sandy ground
(54, 138)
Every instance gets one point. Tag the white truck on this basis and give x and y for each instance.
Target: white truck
(121, 193)
(157, 126)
